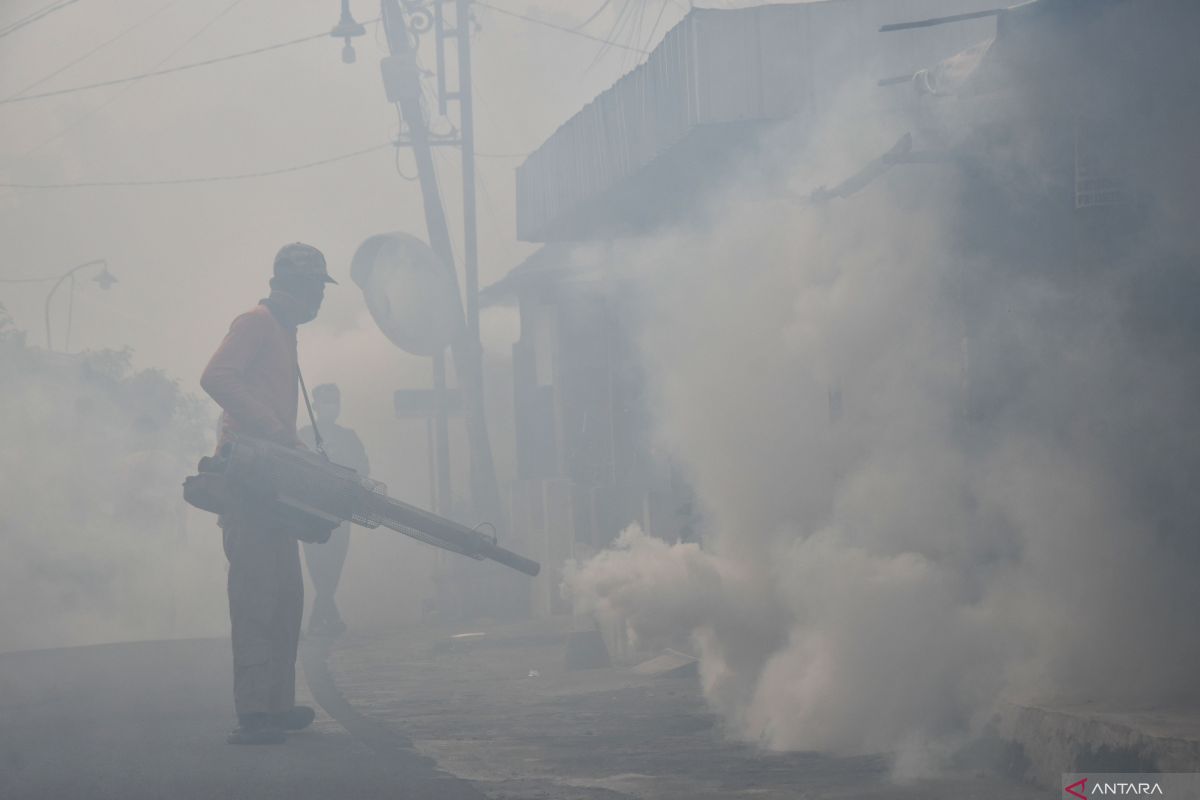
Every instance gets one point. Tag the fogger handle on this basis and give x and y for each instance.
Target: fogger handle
(510, 559)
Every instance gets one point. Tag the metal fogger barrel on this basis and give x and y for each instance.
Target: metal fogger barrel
(318, 494)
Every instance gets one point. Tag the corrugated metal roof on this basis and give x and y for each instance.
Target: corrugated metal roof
(716, 75)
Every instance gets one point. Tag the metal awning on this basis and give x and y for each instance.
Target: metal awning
(548, 268)
(542, 268)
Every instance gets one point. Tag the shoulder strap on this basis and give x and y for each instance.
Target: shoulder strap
(317, 440)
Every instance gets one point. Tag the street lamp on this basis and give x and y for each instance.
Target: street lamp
(346, 29)
(104, 278)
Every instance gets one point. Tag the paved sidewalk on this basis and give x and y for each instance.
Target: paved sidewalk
(1080, 739)
(418, 714)
(502, 711)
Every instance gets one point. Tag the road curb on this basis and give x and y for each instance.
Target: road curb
(1057, 741)
(418, 776)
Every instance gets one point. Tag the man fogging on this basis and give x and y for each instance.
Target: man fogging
(325, 561)
(253, 377)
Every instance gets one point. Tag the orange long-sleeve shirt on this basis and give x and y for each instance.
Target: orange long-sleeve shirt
(253, 378)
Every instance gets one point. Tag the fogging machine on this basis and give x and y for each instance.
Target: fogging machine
(311, 495)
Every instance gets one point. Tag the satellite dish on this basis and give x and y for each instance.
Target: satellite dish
(410, 293)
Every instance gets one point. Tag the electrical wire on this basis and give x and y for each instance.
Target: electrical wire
(31, 14)
(380, 47)
(603, 5)
(157, 73)
(399, 133)
(70, 315)
(30, 280)
(611, 40)
(33, 17)
(118, 95)
(93, 51)
(437, 178)
(558, 27)
(400, 172)
(488, 202)
(657, 21)
(202, 29)
(201, 179)
(637, 28)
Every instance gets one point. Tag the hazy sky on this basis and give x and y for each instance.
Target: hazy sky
(189, 257)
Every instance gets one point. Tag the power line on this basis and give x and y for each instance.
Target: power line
(30, 17)
(558, 27)
(118, 95)
(93, 51)
(33, 17)
(605, 4)
(657, 21)
(636, 34)
(204, 28)
(618, 25)
(201, 179)
(168, 71)
(29, 280)
(399, 135)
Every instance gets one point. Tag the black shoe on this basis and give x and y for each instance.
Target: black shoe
(298, 718)
(256, 729)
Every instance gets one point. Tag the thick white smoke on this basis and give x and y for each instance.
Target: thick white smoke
(932, 479)
(99, 545)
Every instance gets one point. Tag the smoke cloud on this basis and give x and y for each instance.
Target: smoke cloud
(942, 464)
(99, 545)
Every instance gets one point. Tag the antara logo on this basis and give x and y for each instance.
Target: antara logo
(1079, 789)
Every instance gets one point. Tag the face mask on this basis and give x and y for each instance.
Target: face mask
(311, 301)
(298, 308)
(307, 309)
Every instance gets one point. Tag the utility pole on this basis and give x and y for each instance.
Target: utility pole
(403, 83)
(462, 23)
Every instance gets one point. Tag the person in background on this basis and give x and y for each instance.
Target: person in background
(325, 561)
(254, 377)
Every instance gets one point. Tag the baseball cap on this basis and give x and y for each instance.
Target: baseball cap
(301, 260)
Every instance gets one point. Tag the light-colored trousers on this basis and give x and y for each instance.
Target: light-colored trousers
(266, 603)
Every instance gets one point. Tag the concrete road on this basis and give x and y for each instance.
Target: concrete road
(148, 720)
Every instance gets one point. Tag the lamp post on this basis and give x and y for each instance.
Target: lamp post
(105, 278)
(346, 29)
